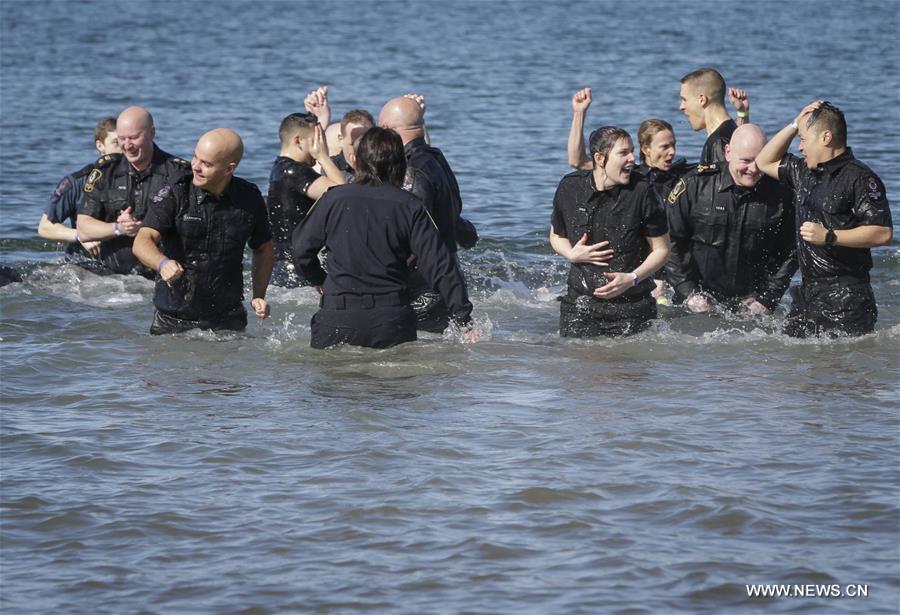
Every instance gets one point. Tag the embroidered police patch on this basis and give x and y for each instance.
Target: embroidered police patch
(874, 191)
(677, 191)
(92, 179)
(162, 193)
(62, 187)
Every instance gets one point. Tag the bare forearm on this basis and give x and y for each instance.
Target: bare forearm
(146, 250)
(261, 269)
(56, 231)
(91, 229)
(656, 260)
(575, 145)
(331, 171)
(863, 237)
(770, 156)
(560, 245)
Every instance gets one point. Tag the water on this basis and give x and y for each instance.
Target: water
(248, 474)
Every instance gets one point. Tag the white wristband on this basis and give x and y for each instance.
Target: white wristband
(634, 278)
(793, 124)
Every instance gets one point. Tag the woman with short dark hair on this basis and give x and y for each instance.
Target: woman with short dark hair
(371, 228)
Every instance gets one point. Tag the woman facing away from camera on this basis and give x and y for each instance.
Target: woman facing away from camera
(371, 229)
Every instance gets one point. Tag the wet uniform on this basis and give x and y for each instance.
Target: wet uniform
(728, 241)
(662, 182)
(113, 185)
(430, 178)
(625, 216)
(714, 148)
(63, 207)
(288, 203)
(370, 232)
(206, 235)
(835, 295)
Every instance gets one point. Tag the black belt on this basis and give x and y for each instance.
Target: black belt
(363, 302)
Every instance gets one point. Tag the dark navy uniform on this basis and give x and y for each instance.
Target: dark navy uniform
(370, 232)
(714, 148)
(836, 295)
(729, 241)
(64, 204)
(207, 236)
(113, 185)
(624, 216)
(287, 203)
(430, 178)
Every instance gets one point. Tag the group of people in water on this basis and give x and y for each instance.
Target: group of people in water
(370, 214)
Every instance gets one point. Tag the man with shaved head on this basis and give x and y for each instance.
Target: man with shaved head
(430, 178)
(702, 97)
(732, 232)
(122, 188)
(195, 237)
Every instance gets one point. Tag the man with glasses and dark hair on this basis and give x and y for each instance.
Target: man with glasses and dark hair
(294, 186)
(842, 212)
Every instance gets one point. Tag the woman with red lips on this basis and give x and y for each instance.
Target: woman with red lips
(612, 218)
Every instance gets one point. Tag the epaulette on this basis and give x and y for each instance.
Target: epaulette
(106, 159)
(707, 169)
(181, 162)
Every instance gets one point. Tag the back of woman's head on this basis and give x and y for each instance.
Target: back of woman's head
(380, 158)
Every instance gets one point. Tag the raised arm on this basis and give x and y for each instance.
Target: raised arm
(581, 100)
(769, 158)
(740, 102)
(316, 102)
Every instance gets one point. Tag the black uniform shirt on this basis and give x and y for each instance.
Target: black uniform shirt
(114, 185)
(65, 201)
(714, 148)
(287, 201)
(370, 232)
(842, 193)
(207, 236)
(730, 241)
(430, 178)
(625, 216)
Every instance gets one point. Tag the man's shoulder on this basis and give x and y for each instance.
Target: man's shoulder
(699, 175)
(102, 170)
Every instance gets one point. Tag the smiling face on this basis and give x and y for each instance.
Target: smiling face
(661, 151)
(215, 158)
(811, 144)
(746, 143)
(618, 163)
(135, 132)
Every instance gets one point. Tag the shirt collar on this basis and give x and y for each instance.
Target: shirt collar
(836, 163)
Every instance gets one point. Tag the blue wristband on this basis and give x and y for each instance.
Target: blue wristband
(164, 260)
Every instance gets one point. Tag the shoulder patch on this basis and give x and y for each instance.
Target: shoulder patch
(676, 192)
(161, 194)
(874, 190)
(92, 179)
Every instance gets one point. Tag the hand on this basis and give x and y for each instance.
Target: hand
(316, 144)
(471, 335)
(420, 100)
(171, 271)
(807, 110)
(261, 307)
(755, 307)
(92, 247)
(738, 99)
(698, 304)
(813, 232)
(581, 100)
(127, 225)
(316, 102)
(583, 253)
(319, 291)
(618, 284)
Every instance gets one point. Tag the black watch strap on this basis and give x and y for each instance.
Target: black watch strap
(830, 237)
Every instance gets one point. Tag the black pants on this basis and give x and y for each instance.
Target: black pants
(832, 307)
(234, 320)
(373, 321)
(588, 317)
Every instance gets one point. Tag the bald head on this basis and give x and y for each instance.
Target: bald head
(403, 115)
(746, 143)
(216, 156)
(135, 131)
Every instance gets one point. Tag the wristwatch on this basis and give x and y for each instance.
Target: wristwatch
(830, 237)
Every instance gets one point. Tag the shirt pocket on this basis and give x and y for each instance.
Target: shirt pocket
(711, 228)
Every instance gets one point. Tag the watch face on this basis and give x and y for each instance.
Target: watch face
(830, 237)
